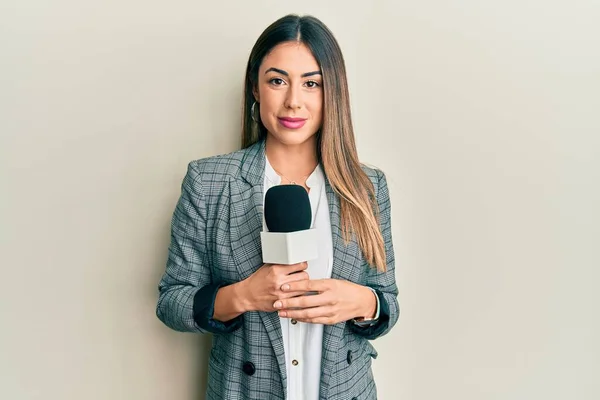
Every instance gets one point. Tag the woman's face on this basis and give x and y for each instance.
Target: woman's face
(290, 93)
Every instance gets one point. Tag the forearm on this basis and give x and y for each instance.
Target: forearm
(230, 302)
(218, 308)
(388, 316)
(368, 304)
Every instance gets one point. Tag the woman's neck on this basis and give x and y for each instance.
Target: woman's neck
(296, 162)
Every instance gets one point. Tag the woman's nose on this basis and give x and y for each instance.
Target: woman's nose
(293, 99)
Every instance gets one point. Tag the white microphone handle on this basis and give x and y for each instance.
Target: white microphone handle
(289, 248)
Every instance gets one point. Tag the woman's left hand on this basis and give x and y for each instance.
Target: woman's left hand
(336, 301)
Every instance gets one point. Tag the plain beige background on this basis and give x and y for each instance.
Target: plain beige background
(484, 116)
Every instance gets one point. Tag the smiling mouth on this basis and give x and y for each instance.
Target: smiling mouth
(292, 123)
(289, 119)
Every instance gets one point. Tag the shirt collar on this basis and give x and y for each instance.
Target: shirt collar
(317, 177)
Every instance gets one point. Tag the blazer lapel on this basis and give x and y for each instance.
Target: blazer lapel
(246, 223)
(246, 210)
(344, 270)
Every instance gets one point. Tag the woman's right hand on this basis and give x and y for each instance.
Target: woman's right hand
(263, 287)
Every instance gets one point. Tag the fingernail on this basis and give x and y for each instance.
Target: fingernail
(277, 304)
(282, 314)
(285, 287)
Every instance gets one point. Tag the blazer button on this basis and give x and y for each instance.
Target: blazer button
(248, 368)
(354, 398)
(349, 357)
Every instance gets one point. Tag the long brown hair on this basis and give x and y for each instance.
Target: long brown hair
(336, 147)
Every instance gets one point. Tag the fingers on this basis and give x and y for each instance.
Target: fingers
(317, 285)
(310, 314)
(319, 320)
(290, 295)
(290, 269)
(299, 276)
(301, 302)
(290, 273)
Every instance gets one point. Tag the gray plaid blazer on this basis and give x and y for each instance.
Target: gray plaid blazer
(215, 238)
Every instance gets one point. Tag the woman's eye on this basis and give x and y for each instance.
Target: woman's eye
(312, 84)
(276, 81)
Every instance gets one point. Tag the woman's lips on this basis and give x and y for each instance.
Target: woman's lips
(292, 123)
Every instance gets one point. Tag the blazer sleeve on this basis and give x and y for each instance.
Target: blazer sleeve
(186, 291)
(384, 283)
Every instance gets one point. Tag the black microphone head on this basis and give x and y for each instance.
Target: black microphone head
(287, 209)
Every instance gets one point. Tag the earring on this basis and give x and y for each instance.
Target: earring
(252, 113)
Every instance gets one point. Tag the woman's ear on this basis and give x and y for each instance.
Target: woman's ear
(256, 95)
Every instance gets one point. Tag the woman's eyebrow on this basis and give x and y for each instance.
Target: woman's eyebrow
(282, 72)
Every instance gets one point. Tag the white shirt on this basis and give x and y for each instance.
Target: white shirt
(303, 342)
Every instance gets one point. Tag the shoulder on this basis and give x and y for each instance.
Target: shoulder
(218, 167)
(210, 175)
(377, 178)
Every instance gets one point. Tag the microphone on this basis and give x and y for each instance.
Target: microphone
(288, 216)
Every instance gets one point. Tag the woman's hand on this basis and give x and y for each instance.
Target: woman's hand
(261, 289)
(337, 300)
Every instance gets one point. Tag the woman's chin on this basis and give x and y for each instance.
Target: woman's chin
(291, 137)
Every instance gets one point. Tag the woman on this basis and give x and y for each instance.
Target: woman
(270, 341)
